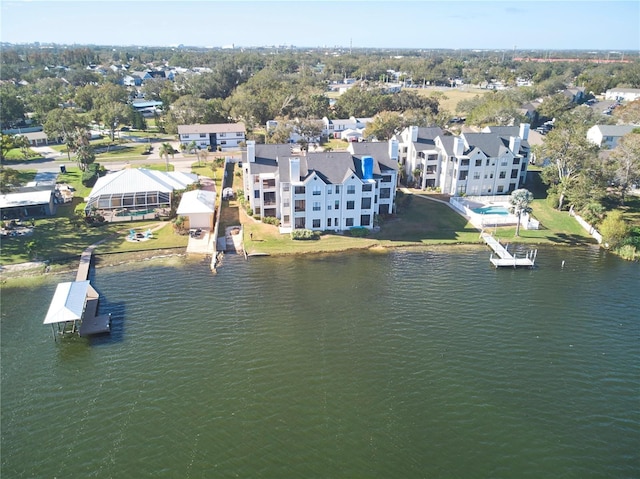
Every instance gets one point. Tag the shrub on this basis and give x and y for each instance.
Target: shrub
(553, 200)
(271, 220)
(358, 231)
(304, 234)
(90, 174)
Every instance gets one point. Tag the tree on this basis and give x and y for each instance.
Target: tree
(519, 202)
(624, 162)
(11, 106)
(629, 113)
(384, 125)
(555, 105)
(7, 144)
(165, 150)
(22, 142)
(569, 152)
(9, 179)
(63, 123)
(113, 115)
(84, 153)
(614, 229)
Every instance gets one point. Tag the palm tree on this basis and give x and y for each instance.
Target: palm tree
(519, 202)
(165, 150)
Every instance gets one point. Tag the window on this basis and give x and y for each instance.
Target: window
(503, 175)
(349, 222)
(328, 222)
(299, 190)
(285, 219)
(256, 194)
(336, 205)
(221, 135)
(464, 162)
(316, 206)
(385, 193)
(463, 175)
(316, 190)
(337, 189)
(476, 175)
(367, 187)
(500, 188)
(365, 203)
(351, 189)
(329, 190)
(365, 220)
(386, 179)
(478, 162)
(203, 135)
(516, 161)
(285, 187)
(300, 205)
(350, 205)
(487, 163)
(223, 142)
(285, 203)
(504, 162)
(514, 173)
(316, 223)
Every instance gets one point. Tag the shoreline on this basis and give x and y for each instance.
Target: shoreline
(42, 269)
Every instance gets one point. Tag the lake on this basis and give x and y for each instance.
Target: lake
(402, 364)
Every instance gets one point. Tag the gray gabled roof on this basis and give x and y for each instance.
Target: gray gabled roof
(380, 153)
(616, 130)
(428, 135)
(491, 145)
(507, 132)
(331, 166)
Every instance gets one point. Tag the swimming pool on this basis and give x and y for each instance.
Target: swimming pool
(491, 210)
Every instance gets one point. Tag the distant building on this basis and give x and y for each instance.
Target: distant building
(334, 128)
(223, 135)
(627, 94)
(607, 136)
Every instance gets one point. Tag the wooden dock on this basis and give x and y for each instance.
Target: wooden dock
(504, 258)
(93, 323)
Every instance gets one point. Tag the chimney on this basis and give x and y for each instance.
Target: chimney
(393, 149)
(294, 170)
(458, 146)
(251, 151)
(414, 133)
(524, 131)
(514, 145)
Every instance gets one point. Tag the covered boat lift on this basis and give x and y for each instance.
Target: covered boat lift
(73, 309)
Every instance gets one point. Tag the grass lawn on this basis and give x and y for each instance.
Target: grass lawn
(452, 96)
(421, 222)
(62, 238)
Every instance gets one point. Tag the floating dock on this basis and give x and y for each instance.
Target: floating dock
(504, 258)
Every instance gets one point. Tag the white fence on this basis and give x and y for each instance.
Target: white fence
(590, 229)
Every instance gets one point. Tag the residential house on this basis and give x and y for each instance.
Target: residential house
(607, 136)
(627, 94)
(492, 162)
(323, 190)
(334, 128)
(575, 94)
(36, 138)
(223, 136)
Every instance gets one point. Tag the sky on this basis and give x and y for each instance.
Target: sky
(503, 25)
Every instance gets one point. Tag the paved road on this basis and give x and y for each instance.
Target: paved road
(52, 160)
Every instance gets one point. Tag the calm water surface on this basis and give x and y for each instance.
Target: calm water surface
(408, 364)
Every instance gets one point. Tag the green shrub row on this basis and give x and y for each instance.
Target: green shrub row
(302, 234)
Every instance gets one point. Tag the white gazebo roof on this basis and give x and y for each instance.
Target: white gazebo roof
(68, 301)
(197, 201)
(131, 180)
(31, 198)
